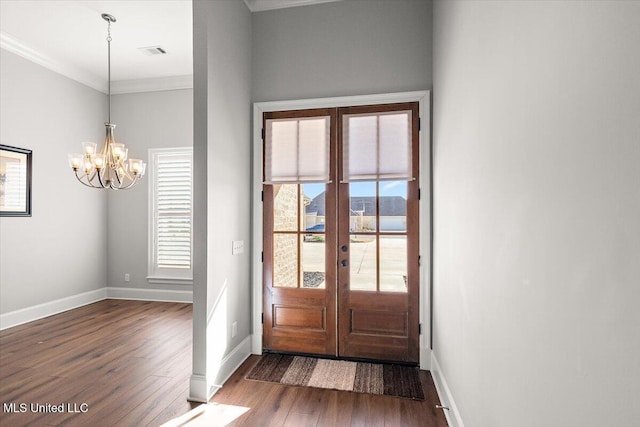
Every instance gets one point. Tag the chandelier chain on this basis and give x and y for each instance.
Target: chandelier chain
(109, 65)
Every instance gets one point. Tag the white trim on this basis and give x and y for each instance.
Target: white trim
(444, 393)
(36, 312)
(29, 314)
(22, 49)
(423, 98)
(155, 84)
(232, 361)
(201, 388)
(142, 294)
(169, 280)
(425, 230)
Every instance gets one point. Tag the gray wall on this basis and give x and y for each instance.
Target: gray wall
(537, 211)
(222, 182)
(143, 121)
(61, 249)
(350, 47)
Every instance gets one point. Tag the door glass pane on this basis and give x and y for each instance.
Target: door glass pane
(313, 261)
(362, 215)
(393, 206)
(285, 207)
(285, 260)
(393, 263)
(313, 206)
(362, 262)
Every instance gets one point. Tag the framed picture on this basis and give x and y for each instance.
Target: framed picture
(15, 181)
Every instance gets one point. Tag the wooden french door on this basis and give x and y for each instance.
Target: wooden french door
(299, 276)
(341, 273)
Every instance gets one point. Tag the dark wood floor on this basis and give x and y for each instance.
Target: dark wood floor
(130, 362)
(281, 405)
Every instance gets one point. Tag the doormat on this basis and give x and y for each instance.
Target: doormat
(360, 377)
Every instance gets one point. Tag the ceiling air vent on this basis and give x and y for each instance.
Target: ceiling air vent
(153, 50)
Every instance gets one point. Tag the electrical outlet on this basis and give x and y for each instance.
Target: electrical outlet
(237, 247)
(126, 277)
(234, 329)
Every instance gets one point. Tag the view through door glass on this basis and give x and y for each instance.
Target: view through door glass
(341, 256)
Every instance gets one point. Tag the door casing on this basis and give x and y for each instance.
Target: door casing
(424, 100)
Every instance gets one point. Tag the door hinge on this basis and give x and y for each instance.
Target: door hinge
(262, 320)
(419, 194)
(261, 256)
(419, 328)
(262, 197)
(419, 124)
(419, 259)
(263, 134)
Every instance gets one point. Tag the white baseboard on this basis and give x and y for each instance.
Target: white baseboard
(29, 314)
(162, 295)
(233, 360)
(446, 398)
(200, 391)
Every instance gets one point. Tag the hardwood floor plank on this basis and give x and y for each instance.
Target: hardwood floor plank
(338, 409)
(296, 419)
(278, 405)
(93, 355)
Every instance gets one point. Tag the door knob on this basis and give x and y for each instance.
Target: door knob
(344, 262)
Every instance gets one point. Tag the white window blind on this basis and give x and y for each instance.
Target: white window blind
(377, 146)
(296, 150)
(171, 206)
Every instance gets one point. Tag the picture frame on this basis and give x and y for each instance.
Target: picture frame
(15, 181)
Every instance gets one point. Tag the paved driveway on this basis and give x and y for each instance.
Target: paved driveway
(393, 262)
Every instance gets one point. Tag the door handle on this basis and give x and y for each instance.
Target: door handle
(344, 263)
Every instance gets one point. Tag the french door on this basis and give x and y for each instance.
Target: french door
(341, 230)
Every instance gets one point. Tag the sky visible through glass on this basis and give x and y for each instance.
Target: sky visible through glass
(387, 188)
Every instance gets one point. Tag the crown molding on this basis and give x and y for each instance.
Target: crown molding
(15, 46)
(152, 85)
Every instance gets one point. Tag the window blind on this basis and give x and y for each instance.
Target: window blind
(377, 146)
(296, 150)
(173, 211)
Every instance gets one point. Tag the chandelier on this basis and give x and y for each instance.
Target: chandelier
(110, 167)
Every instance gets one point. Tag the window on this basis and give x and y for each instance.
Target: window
(170, 215)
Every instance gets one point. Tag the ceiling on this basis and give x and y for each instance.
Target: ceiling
(69, 37)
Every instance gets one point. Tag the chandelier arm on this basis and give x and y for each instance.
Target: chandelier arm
(81, 181)
(125, 173)
(93, 175)
(133, 182)
(120, 182)
(100, 180)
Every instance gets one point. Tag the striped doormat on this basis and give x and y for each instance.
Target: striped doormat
(361, 377)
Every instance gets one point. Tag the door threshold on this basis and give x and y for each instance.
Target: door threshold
(348, 359)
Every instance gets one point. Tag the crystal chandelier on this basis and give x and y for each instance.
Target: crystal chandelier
(109, 168)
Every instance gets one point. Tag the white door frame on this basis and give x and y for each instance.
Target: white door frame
(424, 100)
